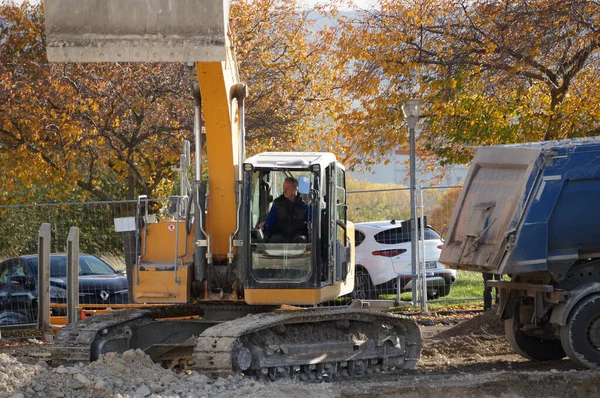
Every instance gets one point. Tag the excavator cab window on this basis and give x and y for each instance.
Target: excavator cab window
(271, 259)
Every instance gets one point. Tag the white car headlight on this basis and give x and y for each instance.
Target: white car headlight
(57, 292)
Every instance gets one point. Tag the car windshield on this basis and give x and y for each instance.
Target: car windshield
(88, 265)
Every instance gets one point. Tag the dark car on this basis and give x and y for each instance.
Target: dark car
(99, 283)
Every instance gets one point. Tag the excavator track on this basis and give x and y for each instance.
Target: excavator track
(85, 340)
(74, 342)
(309, 344)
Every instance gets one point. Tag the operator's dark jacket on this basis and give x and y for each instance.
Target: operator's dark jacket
(287, 218)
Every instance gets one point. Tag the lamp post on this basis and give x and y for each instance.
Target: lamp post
(412, 111)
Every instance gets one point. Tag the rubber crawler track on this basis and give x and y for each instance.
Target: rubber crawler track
(214, 349)
(213, 353)
(74, 342)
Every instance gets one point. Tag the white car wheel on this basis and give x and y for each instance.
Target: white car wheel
(363, 287)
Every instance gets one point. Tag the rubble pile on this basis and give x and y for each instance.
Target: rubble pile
(132, 374)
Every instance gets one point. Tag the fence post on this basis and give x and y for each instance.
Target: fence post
(43, 319)
(73, 275)
(129, 250)
(422, 253)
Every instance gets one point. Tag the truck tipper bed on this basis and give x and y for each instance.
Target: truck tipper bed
(531, 212)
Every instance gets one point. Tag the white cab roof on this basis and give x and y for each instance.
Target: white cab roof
(291, 160)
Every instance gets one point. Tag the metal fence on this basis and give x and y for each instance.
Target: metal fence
(97, 240)
(387, 204)
(20, 225)
(383, 243)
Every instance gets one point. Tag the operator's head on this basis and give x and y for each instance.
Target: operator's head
(290, 188)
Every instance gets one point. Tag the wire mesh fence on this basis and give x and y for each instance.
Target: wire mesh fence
(20, 224)
(383, 257)
(104, 253)
(383, 243)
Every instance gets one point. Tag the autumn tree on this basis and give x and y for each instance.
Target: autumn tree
(112, 131)
(101, 131)
(489, 71)
(289, 74)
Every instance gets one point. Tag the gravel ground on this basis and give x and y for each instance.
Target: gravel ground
(471, 359)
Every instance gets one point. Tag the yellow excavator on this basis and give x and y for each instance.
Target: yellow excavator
(231, 301)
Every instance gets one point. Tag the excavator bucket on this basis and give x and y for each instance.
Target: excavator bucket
(136, 30)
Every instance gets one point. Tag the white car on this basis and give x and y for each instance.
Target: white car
(383, 253)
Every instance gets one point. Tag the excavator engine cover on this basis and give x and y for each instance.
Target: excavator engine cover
(136, 30)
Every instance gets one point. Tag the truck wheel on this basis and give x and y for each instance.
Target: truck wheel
(581, 335)
(531, 347)
(363, 287)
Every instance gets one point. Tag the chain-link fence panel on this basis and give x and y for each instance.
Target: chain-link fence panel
(383, 243)
(438, 204)
(381, 204)
(19, 227)
(102, 262)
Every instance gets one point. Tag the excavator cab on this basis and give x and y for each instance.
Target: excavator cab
(309, 272)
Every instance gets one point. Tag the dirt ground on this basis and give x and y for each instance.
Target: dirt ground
(468, 359)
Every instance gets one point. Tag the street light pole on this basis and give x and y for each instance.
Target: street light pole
(412, 111)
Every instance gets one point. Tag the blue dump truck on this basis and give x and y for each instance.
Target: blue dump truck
(531, 213)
